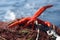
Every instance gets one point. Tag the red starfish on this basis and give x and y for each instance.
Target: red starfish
(33, 18)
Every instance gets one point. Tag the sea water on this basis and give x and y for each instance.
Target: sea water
(11, 9)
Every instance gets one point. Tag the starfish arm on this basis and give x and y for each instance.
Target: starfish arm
(19, 22)
(41, 10)
(38, 13)
(44, 22)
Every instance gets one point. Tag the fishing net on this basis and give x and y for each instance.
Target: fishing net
(19, 11)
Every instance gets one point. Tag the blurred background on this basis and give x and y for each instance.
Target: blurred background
(12, 9)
